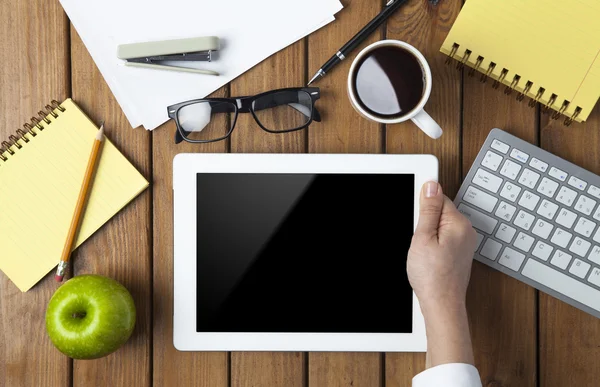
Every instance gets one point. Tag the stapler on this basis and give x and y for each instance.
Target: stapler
(150, 54)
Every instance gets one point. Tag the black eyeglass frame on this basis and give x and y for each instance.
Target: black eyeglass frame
(244, 105)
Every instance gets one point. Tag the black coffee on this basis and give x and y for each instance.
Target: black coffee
(389, 82)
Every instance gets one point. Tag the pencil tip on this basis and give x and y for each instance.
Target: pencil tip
(100, 134)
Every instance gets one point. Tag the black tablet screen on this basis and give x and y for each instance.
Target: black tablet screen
(304, 253)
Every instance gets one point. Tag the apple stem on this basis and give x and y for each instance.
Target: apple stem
(79, 315)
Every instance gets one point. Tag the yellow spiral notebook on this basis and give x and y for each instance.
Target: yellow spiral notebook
(41, 172)
(547, 50)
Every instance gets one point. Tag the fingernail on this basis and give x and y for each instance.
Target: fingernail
(431, 189)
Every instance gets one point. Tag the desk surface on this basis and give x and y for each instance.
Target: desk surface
(521, 337)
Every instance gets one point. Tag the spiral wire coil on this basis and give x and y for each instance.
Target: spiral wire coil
(23, 136)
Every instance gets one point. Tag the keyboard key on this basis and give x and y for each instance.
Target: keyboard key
(542, 228)
(597, 236)
(577, 183)
(478, 219)
(548, 187)
(486, 180)
(595, 255)
(529, 178)
(542, 250)
(510, 191)
(580, 247)
(505, 211)
(505, 233)
(595, 279)
(585, 227)
(562, 283)
(561, 259)
(523, 242)
(480, 199)
(490, 249)
(558, 174)
(594, 191)
(511, 259)
(479, 240)
(597, 214)
(561, 237)
(585, 205)
(500, 146)
(579, 268)
(492, 160)
(539, 165)
(566, 218)
(547, 209)
(510, 169)
(519, 155)
(524, 220)
(529, 200)
(566, 196)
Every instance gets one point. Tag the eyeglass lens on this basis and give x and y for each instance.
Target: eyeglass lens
(283, 110)
(206, 121)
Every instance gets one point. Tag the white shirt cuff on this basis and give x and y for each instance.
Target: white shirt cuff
(448, 375)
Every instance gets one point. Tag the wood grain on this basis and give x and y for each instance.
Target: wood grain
(122, 247)
(502, 310)
(172, 367)
(35, 70)
(425, 27)
(342, 131)
(284, 69)
(343, 369)
(570, 338)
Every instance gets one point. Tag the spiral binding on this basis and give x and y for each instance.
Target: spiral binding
(23, 136)
(461, 61)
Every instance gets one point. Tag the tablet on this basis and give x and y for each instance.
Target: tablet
(296, 252)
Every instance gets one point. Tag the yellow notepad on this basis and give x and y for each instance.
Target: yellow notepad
(40, 180)
(546, 47)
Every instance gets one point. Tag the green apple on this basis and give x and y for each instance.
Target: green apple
(90, 316)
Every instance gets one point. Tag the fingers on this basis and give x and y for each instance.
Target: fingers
(430, 210)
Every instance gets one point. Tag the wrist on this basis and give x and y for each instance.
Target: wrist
(448, 336)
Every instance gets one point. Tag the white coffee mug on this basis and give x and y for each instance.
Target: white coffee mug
(417, 115)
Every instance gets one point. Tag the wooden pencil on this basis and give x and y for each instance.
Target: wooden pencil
(79, 207)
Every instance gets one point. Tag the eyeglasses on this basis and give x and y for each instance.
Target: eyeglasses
(213, 119)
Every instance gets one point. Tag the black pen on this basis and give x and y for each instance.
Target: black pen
(389, 9)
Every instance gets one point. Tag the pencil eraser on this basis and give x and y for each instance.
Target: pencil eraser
(58, 278)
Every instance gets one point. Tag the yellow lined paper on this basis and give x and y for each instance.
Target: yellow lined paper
(555, 44)
(39, 186)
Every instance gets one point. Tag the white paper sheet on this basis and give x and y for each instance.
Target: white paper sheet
(250, 31)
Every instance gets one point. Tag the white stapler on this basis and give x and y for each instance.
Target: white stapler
(150, 54)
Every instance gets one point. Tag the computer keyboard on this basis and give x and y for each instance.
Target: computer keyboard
(537, 218)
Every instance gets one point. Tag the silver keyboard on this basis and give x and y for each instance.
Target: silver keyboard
(537, 218)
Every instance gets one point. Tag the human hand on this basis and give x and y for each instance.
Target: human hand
(439, 269)
(441, 252)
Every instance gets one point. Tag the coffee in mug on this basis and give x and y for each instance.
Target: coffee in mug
(390, 82)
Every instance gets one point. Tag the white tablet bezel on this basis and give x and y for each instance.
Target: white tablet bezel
(185, 169)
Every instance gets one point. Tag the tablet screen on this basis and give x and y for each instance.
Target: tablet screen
(304, 253)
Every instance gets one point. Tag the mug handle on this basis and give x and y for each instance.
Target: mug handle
(427, 125)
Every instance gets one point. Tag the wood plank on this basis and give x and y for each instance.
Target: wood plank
(284, 69)
(425, 27)
(569, 338)
(172, 367)
(120, 249)
(502, 310)
(344, 369)
(342, 131)
(34, 46)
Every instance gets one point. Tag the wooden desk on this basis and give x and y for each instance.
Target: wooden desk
(522, 337)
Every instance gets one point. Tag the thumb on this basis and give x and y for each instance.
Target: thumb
(431, 205)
